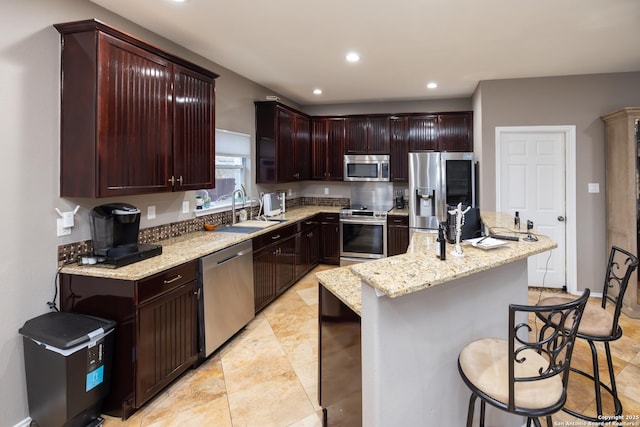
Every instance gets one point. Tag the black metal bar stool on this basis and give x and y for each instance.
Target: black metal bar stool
(600, 324)
(524, 375)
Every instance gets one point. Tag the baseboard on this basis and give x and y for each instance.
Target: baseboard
(24, 423)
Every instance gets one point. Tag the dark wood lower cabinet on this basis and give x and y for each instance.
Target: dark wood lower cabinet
(397, 234)
(167, 339)
(156, 333)
(330, 238)
(285, 255)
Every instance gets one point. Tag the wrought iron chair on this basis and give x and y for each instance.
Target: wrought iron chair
(600, 324)
(524, 375)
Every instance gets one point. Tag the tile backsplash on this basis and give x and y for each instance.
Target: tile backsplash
(70, 252)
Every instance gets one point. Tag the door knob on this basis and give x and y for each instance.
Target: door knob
(561, 218)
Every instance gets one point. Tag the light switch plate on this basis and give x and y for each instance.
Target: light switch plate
(594, 187)
(151, 212)
(185, 206)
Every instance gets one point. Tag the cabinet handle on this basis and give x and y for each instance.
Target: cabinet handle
(275, 237)
(172, 180)
(178, 277)
(180, 180)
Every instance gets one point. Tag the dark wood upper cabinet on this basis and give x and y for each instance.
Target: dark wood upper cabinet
(327, 148)
(134, 119)
(193, 130)
(422, 132)
(283, 143)
(399, 147)
(367, 135)
(455, 131)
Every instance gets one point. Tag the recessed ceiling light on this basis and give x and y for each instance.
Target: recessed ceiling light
(179, 1)
(432, 85)
(317, 91)
(353, 57)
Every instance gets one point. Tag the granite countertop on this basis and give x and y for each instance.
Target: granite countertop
(401, 212)
(189, 247)
(419, 268)
(345, 285)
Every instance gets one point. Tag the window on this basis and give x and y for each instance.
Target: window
(233, 168)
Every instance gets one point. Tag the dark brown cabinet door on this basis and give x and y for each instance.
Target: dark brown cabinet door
(455, 131)
(167, 340)
(319, 148)
(193, 130)
(134, 120)
(330, 239)
(285, 146)
(283, 138)
(399, 149)
(422, 132)
(356, 135)
(264, 273)
(367, 135)
(397, 234)
(327, 141)
(379, 135)
(285, 264)
(335, 145)
(303, 148)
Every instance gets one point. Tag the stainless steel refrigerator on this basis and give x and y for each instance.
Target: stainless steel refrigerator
(438, 181)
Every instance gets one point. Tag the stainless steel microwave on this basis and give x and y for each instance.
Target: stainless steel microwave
(366, 167)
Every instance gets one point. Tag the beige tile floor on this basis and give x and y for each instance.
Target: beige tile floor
(267, 374)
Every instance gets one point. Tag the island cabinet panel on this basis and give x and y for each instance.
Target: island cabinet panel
(399, 149)
(327, 148)
(283, 138)
(156, 333)
(330, 238)
(339, 361)
(133, 117)
(398, 234)
(367, 134)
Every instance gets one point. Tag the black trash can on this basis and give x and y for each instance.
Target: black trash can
(68, 360)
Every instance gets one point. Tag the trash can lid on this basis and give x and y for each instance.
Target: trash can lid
(64, 330)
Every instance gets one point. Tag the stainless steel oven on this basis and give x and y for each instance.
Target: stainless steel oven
(363, 235)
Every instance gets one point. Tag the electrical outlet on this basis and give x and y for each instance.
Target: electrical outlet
(185, 206)
(326, 190)
(61, 230)
(151, 212)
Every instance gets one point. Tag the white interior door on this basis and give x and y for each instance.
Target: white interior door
(531, 180)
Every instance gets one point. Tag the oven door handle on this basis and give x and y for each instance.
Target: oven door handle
(365, 222)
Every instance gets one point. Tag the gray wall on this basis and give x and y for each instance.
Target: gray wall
(29, 119)
(573, 100)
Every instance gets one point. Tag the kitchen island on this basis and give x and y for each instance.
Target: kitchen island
(417, 313)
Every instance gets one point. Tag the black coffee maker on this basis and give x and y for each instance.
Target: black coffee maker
(114, 235)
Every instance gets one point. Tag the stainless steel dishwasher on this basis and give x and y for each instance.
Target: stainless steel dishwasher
(227, 295)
